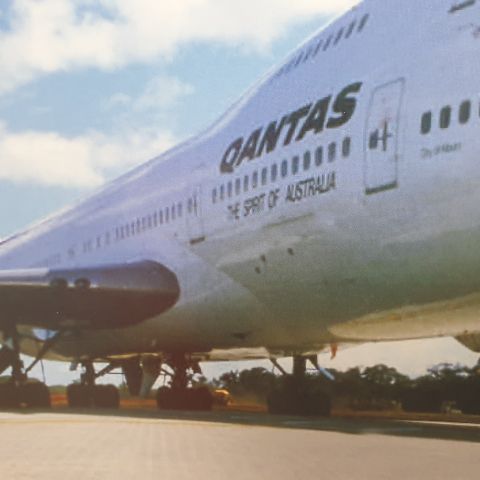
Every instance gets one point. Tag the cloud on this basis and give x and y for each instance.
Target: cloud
(160, 93)
(47, 158)
(47, 36)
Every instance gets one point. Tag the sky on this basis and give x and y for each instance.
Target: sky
(91, 88)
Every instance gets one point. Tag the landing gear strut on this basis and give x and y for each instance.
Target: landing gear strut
(87, 394)
(299, 393)
(18, 390)
(179, 396)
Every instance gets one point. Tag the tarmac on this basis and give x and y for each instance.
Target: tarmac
(224, 445)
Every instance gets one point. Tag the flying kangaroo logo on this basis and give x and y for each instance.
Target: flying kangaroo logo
(311, 118)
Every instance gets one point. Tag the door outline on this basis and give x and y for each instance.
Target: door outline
(195, 227)
(378, 186)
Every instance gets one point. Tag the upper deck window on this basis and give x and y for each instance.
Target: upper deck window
(238, 186)
(339, 36)
(307, 160)
(464, 112)
(426, 124)
(295, 164)
(363, 22)
(273, 172)
(350, 29)
(445, 116)
(264, 176)
(328, 42)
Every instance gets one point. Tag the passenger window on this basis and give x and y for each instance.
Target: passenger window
(264, 176)
(190, 205)
(318, 47)
(346, 146)
(174, 213)
(332, 151)
(350, 29)
(139, 225)
(155, 219)
(229, 189)
(318, 156)
(222, 192)
(307, 160)
(464, 113)
(180, 209)
(149, 221)
(328, 42)
(363, 22)
(132, 228)
(299, 59)
(445, 116)
(160, 217)
(167, 215)
(284, 169)
(214, 195)
(295, 165)
(127, 230)
(339, 36)
(426, 123)
(245, 183)
(273, 172)
(255, 180)
(238, 186)
(144, 223)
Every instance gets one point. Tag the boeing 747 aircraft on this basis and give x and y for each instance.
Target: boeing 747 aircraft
(337, 202)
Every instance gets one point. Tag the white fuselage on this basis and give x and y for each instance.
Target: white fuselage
(380, 240)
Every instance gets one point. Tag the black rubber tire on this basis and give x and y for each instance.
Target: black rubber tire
(106, 396)
(9, 396)
(203, 399)
(79, 396)
(199, 399)
(35, 395)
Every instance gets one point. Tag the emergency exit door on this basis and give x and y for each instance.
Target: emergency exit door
(194, 216)
(382, 142)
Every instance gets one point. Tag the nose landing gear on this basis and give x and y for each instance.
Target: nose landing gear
(87, 394)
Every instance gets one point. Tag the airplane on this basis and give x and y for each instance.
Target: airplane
(335, 203)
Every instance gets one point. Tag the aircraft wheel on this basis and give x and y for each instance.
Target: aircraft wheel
(9, 396)
(78, 396)
(202, 399)
(35, 395)
(184, 399)
(106, 396)
(165, 399)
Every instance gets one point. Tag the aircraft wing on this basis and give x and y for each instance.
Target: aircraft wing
(108, 296)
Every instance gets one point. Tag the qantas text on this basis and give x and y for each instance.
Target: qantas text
(311, 118)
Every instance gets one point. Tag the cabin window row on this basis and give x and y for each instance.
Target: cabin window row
(160, 217)
(323, 44)
(260, 178)
(446, 116)
(135, 227)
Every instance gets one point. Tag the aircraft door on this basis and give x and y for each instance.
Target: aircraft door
(382, 142)
(195, 228)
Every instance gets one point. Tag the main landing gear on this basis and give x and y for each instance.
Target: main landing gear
(179, 396)
(87, 394)
(299, 393)
(18, 390)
